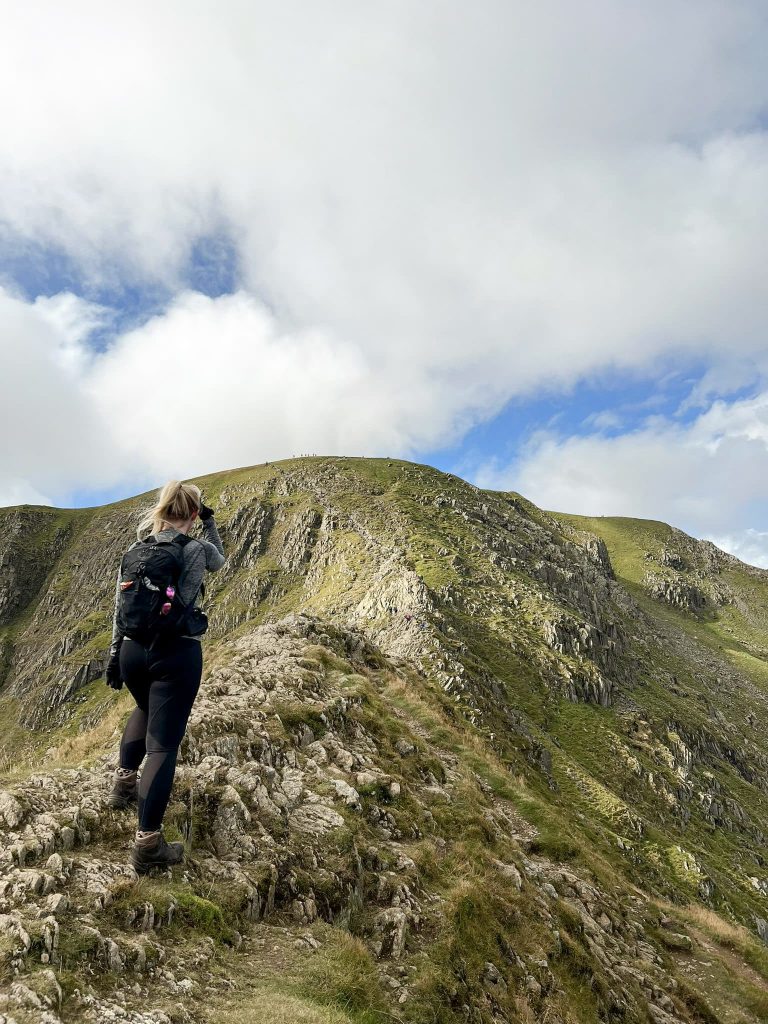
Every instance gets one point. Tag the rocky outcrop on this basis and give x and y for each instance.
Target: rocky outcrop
(595, 652)
(673, 560)
(676, 592)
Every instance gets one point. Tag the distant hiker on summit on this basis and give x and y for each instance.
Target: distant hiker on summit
(157, 652)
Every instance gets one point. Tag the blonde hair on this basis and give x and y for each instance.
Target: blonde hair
(175, 501)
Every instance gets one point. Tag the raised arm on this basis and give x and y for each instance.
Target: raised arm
(211, 541)
(205, 553)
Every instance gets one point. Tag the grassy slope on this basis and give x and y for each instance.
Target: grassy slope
(720, 644)
(731, 628)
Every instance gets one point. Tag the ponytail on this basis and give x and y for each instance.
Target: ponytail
(176, 501)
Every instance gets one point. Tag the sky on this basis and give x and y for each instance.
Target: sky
(525, 243)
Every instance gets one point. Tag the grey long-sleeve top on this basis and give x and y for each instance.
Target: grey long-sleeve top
(204, 553)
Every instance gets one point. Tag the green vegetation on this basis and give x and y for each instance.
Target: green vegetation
(176, 906)
(343, 975)
(482, 708)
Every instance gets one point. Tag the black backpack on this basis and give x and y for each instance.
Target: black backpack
(149, 606)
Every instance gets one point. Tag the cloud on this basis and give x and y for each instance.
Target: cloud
(19, 492)
(51, 431)
(215, 382)
(514, 196)
(72, 320)
(606, 419)
(709, 477)
(207, 385)
(427, 211)
(751, 546)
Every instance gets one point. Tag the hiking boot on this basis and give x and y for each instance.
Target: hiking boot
(123, 790)
(150, 850)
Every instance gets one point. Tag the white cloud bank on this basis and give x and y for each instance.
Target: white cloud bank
(221, 381)
(435, 207)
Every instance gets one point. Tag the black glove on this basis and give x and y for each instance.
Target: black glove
(112, 672)
(205, 512)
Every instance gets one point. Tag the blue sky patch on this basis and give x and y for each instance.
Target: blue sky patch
(32, 270)
(213, 266)
(85, 497)
(610, 404)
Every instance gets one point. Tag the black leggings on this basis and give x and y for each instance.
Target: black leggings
(164, 682)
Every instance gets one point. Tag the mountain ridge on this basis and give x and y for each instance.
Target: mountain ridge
(608, 674)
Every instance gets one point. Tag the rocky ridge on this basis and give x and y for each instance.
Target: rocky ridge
(297, 808)
(479, 694)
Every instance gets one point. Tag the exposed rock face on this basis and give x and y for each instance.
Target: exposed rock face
(586, 644)
(31, 540)
(673, 560)
(483, 744)
(689, 574)
(676, 592)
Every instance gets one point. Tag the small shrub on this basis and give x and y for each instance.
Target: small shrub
(344, 975)
(294, 714)
(557, 848)
(203, 915)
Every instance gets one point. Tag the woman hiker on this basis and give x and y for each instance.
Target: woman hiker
(160, 668)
